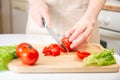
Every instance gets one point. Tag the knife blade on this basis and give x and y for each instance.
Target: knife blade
(54, 35)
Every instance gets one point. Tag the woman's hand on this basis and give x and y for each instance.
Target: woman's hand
(82, 32)
(39, 10)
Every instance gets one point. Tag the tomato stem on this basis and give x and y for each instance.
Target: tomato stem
(30, 47)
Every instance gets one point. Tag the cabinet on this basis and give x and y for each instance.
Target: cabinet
(19, 15)
(6, 18)
(13, 16)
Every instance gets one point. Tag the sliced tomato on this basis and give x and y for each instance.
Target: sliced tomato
(66, 42)
(55, 51)
(62, 49)
(46, 51)
(54, 45)
(58, 46)
(82, 54)
(52, 49)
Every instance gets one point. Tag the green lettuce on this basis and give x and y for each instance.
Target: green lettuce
(100, 59)
(7, 53)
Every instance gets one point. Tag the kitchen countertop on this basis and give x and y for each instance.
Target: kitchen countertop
(9, 39)
(112, 5)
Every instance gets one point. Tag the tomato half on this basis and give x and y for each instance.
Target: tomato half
(67, 43)
(55, 51)
(46, 51)
(57, 46)
(82, 54)
(62, 49)
(21, 47)
(29, 56)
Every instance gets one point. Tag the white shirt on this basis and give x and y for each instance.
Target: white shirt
(64, 15)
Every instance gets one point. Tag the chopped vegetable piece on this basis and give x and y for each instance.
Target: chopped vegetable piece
(52, 50)
(67, 43)
(82, 54)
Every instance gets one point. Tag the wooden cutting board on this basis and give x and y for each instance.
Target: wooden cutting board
(64, 63)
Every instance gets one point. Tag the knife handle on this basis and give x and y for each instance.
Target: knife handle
(44, 22)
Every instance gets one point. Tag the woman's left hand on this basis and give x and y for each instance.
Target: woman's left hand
(82, 32)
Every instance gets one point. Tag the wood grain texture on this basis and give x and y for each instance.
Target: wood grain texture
(68, 62)
(113, 8)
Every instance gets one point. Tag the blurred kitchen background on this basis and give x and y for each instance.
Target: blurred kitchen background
(14, 16)
(13, 19)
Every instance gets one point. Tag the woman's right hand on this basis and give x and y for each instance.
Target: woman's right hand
(38, 10)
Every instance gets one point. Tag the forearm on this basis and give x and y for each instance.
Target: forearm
(94, 8)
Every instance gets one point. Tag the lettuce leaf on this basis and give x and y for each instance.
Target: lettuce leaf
(100, 59)
(7, 53)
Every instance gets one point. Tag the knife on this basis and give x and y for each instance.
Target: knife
(54, 35)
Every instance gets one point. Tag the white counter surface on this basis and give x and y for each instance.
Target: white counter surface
(9, 39)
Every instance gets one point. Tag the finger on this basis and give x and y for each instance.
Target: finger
(81, 38)
(69, 33)
(89, 37)
(77, 31)
(82, 45)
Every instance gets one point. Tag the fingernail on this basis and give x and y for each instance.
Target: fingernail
(70, 39)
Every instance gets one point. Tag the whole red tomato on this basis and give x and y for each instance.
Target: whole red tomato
(27, 53)
(82, 54)
(21, 47)
(67, 43)
(29, 56)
